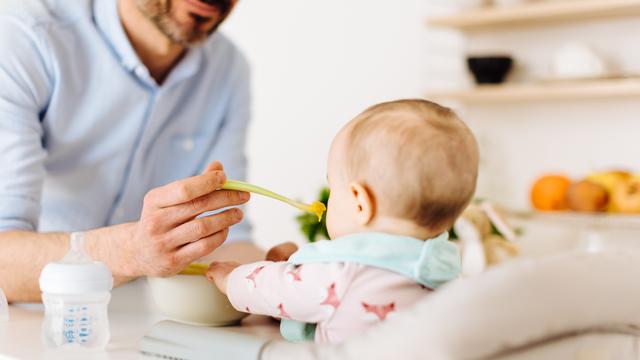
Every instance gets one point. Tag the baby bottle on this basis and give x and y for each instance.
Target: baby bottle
(75, 293)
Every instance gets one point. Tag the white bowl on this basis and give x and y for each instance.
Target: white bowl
(192, 299)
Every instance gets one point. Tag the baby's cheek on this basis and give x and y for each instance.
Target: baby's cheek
(330, 216)
(337, 220)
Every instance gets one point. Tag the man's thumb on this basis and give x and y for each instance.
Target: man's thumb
(214, 166)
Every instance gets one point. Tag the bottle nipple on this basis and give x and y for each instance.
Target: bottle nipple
(76, 253)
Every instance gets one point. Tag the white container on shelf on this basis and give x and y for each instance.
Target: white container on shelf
(576, 60)
(75, 293)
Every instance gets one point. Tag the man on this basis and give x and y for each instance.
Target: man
(109, 110)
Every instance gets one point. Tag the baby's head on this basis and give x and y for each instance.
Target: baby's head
(406, 166)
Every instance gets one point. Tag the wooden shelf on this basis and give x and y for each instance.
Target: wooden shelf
(543, 91)
(537, 12)
(580, 220)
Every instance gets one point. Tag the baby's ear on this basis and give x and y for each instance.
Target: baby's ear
(363, 202)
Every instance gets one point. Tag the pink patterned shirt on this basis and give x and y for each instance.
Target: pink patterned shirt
(342, 298)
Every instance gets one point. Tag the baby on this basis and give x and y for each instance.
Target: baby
(400, 173)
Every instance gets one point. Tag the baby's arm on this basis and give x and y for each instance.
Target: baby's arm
(307, 293)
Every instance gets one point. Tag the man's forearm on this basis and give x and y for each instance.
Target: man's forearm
(25, 253)
(22, 258)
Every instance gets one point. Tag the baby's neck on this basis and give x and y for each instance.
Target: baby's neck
(397, 226)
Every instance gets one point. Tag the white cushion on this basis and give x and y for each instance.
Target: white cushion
(508, 307)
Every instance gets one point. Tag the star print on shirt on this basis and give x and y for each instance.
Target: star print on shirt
(296, 273)
(332, 297)
(381, 311)
(282, 313)
(253, 274)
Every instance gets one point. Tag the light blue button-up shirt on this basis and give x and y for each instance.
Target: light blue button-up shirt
(85, 131)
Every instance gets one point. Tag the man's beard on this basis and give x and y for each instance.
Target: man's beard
(159, 12)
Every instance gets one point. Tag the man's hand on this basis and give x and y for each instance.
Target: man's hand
(281, 252)
(168, 235)
(219, 272)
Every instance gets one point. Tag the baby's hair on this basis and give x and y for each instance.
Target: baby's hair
(418, 158)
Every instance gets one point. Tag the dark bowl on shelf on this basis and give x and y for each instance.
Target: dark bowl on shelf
(489, 69)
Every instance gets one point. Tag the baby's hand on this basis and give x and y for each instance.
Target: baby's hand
(218, 273)
(281, 252)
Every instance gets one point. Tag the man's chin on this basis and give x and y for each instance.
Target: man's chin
(191, 39)
(186, 29)
(198, 37)
(189, 34)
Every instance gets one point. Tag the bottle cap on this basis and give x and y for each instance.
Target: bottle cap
(76, 273)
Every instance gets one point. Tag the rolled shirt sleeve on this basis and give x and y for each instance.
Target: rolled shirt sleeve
(24, 94)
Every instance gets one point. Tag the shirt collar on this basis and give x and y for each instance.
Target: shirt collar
(188, 66)
(431, 262)
(107, 19)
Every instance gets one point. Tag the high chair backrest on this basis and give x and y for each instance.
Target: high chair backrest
(517, 307)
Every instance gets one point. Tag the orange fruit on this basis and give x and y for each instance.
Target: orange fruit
(587, 196)
(549, 193)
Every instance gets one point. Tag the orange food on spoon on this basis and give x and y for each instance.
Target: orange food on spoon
(549, 193)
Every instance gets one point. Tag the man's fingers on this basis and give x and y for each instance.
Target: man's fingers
(168, 218)
(219, 199)
(214, 166)
(197, 249)
(185, 190)
(203, 227)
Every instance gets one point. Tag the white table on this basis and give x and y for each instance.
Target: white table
(131, 315)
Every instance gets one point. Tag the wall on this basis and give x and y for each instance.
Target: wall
(315, 66)
(522, 141)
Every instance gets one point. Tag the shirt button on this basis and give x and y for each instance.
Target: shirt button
(187, 144)
(141, 71)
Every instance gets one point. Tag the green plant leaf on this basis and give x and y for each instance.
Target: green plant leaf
(309, 225)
